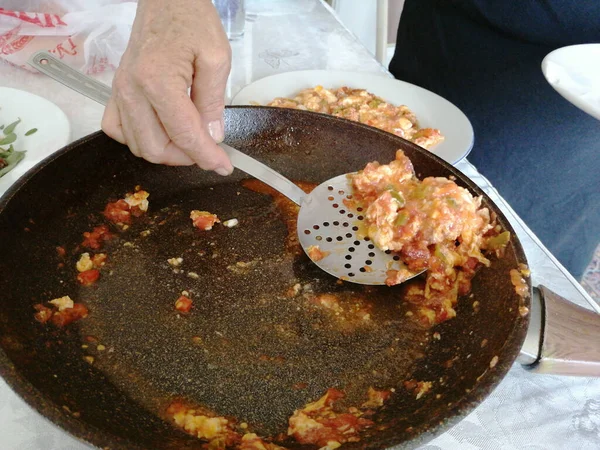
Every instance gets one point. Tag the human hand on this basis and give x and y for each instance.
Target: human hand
(174, 45)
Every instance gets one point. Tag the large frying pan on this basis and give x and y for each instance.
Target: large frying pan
(261, 354)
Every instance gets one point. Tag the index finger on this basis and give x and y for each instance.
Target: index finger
(184, 127)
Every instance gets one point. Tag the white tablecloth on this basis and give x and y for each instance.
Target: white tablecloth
(526, 411)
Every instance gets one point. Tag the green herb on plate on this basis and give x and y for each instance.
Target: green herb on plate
(8, 139)
(30, 132)
(11, 128)
(9, 157)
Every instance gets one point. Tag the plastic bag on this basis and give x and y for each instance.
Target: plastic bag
(89, 35)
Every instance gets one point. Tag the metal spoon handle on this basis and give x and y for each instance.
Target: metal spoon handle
(49, 65)
(264, 173)
(85, 85)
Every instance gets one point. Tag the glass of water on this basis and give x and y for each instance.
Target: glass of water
(233, 16)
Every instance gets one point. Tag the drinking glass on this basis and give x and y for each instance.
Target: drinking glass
(233, 16)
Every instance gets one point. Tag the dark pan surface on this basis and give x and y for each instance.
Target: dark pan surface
(258, 353)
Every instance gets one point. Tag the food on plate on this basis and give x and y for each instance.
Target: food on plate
(9, 157)
(62, 311)
(362, 106)
(134, 204)
(319, 424)
(433, 224)
(203, 220)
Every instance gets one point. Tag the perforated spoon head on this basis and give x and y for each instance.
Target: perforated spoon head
(331, 227)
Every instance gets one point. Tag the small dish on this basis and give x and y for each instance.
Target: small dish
(574, 72)
(53, 129)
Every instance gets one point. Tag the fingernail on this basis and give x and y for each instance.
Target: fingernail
(223, 171)
(217, 130)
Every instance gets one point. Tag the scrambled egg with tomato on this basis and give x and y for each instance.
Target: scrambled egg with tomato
(433, 224)
(364, 107)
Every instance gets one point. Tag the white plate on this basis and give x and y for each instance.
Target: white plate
(53, 129)
(432, 111)
(574, 72)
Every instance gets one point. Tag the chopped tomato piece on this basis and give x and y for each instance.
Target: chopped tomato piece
(315, 253)
(63, 318)
(99, 260)
(203, 220)
(183, 304)
(96, 238)
(118, 212)
(88, 277)
(43, 313)
(376, 398)
(61, 251)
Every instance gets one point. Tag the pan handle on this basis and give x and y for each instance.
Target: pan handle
(73, 79)
(569, 342)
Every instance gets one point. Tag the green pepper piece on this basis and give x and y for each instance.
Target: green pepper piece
(398, 197)
(401, 219)
(499, 241)
(440, 255)
(452, 202)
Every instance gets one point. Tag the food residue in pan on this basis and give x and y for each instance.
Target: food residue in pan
(184, 303)
(323, 423)
(203, 424)
(315, 253)
(61, 312)
(133, 204)
(203, 220)
(362, 106)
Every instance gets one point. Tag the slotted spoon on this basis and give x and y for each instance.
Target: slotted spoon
(324, 220)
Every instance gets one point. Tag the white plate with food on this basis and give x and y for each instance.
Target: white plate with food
(31, 129)
(574, 72)
(432, 112)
